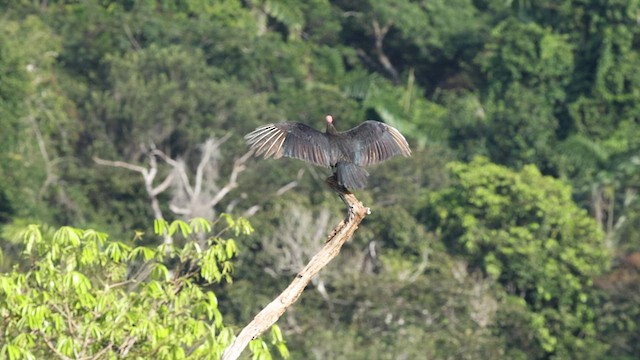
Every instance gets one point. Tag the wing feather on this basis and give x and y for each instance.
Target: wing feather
(293, 140)
(373, 142)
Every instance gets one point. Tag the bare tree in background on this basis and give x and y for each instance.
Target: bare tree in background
(198, 195)
(193, 194)
(300, 235)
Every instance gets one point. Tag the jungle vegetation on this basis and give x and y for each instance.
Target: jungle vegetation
(513, 231)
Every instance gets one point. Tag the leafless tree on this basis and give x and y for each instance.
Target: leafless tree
(379, 33)
(299, 236)
(190, 198)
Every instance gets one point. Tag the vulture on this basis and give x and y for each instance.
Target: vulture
(345, 152)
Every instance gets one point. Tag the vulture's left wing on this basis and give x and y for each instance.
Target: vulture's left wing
(373, 142)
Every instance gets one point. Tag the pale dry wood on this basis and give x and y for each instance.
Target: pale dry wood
(272, 312)
(380, 33)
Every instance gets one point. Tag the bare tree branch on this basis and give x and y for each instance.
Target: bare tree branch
(126, 346)
(148, 176)
(272, 312)
(380, 33)
(286, 188)
(179, 210)
(121, 164)
(163, 186)
(52, 347)
(48, 164)
(99, 354)
(251, 211)
(197, 196)
(132, 39)
(178, 166)
(290, 185)
(208, 148)
(238, 167)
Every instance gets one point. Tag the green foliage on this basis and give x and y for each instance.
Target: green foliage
(523, 229)
(401, 107)
(395, 228)
(13, 73)
(34, 115)
(466, 123)
(78, 294)
(526, 68)
(153, 96)
(528, 54)
(407, 307)
(551, 83)
(435, 38)
(619, 315)
(260, 348)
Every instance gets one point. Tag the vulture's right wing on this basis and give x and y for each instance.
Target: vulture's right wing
(293, 140)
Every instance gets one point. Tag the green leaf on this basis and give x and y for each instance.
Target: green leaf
(283, 350)
(117, 251)
(65, 345)
(36, 316)
(67, 234)
(89, 254)
(143, 252)
(99, 299)
(229, 219)
(213, 300)
(77, 281)
(243, 227)
(276, 334)
(98, 237)
(13, 352)
(230, 248)
(160, 226)
(24, 340)
(160, 271)
(31, 236)
(200, 224)
(184, 228)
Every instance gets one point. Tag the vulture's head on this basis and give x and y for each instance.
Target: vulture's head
(330, 128)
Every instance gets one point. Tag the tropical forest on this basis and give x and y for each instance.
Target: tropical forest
(136, 222)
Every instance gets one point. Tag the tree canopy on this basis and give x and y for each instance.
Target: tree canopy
(511, 232)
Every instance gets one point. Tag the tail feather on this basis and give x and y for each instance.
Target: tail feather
(351, 175)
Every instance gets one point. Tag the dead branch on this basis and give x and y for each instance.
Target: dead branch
(197, 199)
(48, 164)
(121, 164)
(200, 198)
(274, 310)
(238, 167)
(132, 39)
(209, 149)
(379, 33)
(149, 176)
(299, 237)
(290, 185)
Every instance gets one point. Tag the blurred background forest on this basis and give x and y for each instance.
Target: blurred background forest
(513, 232)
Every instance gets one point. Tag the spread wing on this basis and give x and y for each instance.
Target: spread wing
(373, 142)
(292, 140)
